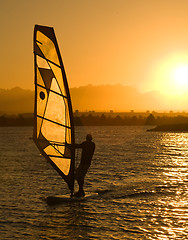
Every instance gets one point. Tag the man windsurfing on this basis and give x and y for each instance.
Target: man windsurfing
(88, 148)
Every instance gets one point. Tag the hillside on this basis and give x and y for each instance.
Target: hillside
(86, 98)
(16, 100)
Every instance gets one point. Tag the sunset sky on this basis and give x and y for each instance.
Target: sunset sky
(140, 43)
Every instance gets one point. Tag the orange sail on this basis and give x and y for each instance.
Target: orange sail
(53, 128)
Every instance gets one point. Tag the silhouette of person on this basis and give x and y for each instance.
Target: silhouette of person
(88, 148)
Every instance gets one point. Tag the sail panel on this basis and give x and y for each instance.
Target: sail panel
(64, 164)
(42, 97)
(57, 113)
(57, 72)
(55, 154)
(38, 127)
(40, 81)
(42, 141)
(42, 63)
(47, 47)
(53, 130)
(47, 77)
(54, 150)
(68, 130)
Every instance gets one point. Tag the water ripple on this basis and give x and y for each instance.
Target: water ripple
(141, 177)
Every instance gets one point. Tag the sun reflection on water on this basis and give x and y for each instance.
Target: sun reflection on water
(174, 158)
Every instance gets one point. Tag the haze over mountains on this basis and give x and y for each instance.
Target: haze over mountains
(93, 98)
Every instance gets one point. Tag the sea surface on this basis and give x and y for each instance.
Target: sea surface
(142, 178)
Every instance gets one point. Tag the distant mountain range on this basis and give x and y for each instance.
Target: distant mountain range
(91, 98)
(113, 97)
(16, 100)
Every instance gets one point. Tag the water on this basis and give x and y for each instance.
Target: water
(142, 177)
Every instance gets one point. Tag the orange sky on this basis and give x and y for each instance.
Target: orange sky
(141, 43)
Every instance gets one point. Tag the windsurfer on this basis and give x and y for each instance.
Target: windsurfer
(88, 148)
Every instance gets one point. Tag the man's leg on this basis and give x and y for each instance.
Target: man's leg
(80, 175)
(81, 184)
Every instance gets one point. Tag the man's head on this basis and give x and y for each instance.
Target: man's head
(88, 137)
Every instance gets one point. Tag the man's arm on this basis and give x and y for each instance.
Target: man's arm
(74, 146)
(78, 145)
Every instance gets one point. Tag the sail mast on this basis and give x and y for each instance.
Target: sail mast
(53, 128)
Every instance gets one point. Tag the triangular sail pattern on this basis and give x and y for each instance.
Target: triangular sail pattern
(53, 127)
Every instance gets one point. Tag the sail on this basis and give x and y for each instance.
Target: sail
(53, 118)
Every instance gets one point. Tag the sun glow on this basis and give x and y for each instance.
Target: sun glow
(178, 84)
(181, 77)
(170, 77)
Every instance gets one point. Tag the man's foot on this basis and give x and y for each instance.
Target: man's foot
(79, 194)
